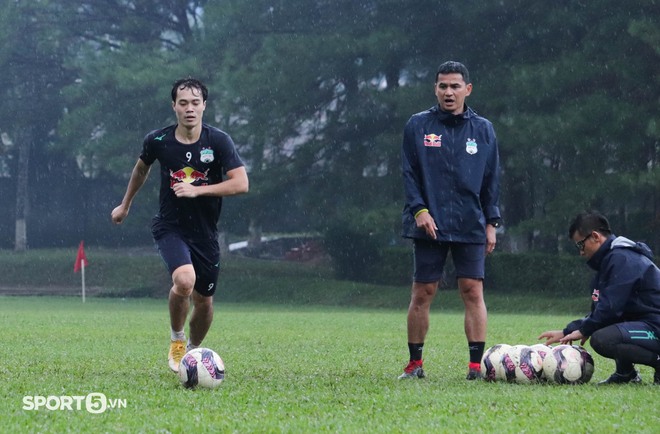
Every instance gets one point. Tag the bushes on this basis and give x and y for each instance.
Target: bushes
(355, 257)
(354, 254)
(544, 274)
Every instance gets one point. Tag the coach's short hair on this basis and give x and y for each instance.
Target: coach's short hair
(588, 221)
(451, 67)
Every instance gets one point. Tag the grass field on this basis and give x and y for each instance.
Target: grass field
(289, 369)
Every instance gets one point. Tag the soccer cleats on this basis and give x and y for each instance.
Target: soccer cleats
(413, 370)
(177, 351)
(474, 374)
(617, 378)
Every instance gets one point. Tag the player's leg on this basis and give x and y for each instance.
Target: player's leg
(200, 320)
(628, 343)
(176, 255)
(183, 282)
(206, 260)
(429, 258)
(469, 261)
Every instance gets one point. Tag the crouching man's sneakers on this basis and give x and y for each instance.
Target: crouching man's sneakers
(413, 370)
(177, 351)
(616, 378)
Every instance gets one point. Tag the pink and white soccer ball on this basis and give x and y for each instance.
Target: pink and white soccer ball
(491, 363)
(543, 351)
(201, 367)
(568, 364)
(522, 364)
(589, 366)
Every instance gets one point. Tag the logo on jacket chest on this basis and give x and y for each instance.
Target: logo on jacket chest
(471, 146)
(432, 140)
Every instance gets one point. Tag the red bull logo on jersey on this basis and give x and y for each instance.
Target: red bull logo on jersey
(188, 175)
(432, 140)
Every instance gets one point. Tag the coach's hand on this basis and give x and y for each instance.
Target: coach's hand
(552, 336)
(573, 336)
(491, 239)
(426, 222)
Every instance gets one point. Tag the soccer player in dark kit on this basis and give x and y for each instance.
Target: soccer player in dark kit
(199, 165)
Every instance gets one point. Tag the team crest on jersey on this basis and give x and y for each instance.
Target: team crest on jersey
(206, 155)
(471, 146)
(432, 140)
(595, 295)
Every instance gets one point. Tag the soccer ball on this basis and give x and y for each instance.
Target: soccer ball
(589, 366)
(567, 365)
(491, 362)
(543, 351)
(522, 364)
(201, 367)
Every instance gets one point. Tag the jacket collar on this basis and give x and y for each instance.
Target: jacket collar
(452, 119)
(597, 258)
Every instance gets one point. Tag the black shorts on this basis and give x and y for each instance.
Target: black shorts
(203, 255)
(639, 333)
(430, 258)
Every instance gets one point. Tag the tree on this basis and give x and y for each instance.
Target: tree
(33, 73)
(313, 93)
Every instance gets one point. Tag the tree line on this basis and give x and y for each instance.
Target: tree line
(315, 93)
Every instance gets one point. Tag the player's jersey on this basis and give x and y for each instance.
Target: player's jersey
(202, 163)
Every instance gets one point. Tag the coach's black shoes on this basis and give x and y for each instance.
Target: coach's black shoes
(413, 370)
(474, 372)
(656, 377)
(616, 378)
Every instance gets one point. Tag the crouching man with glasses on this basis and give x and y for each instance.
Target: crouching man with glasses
(624, 323)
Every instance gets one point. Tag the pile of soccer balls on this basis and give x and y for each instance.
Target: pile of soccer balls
(201, 367)
(562, 364)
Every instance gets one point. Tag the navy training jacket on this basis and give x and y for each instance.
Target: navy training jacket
(626, 287)
(450, 166)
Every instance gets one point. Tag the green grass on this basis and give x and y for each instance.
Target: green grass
(289, 369)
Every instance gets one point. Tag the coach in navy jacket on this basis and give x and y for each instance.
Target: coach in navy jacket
(450, 166)
(624, 323)
(625, 287)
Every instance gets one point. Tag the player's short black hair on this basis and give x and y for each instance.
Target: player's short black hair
(452, 67)
(588, 221)
(189, 83)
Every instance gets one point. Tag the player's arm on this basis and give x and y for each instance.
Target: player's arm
(138, 178)
(235, 183)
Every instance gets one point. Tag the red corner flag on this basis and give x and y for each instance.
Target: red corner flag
(80, 258)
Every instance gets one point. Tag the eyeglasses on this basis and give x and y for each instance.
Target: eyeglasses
(580, 244)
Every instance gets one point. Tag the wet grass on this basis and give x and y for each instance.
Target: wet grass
(290, 368)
